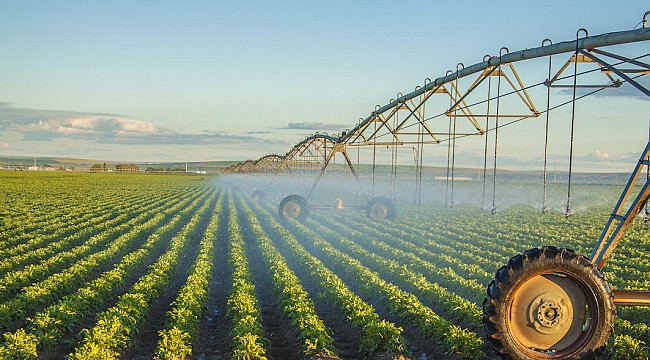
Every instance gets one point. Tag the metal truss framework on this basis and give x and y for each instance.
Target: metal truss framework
(266, 164)
(404, 120)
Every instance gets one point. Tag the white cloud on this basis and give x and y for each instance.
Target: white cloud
(216, 132)
(600, 155)
(87, 123)
(603, 156)
(4, 145)
(126, 126)
(51, 126)
(315, 126)
(47, 125)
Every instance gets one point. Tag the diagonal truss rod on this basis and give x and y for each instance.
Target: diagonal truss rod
(414, 110)
(496, 71)
(580, 57)
(619, 222)
(624, 59)
(619, 72)
(589, 42)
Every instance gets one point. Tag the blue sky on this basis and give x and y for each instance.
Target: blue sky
(213, 80)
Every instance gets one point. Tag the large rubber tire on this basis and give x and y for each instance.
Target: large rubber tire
(381, 208)
(548, 303)
(258, 195)
(293, 207)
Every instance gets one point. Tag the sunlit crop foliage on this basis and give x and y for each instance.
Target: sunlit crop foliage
(179, 267)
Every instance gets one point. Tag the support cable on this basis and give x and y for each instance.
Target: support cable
(512, 122)
(515, 91)
(487, 132)
(324, 168)
(548, 104)
(394, 154)
(453, 145)
(496, 137)
(646, 214)
(421, 153)
(451, 102)
(416, 163)
(568, 212)
(374, 155)
(418, 168)
(358, 164)
(417, 158)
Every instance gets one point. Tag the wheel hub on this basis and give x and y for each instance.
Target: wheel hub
(378, 212)
(291, 209)
(548, 312)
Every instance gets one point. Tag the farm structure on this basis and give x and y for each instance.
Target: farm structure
(549, 302)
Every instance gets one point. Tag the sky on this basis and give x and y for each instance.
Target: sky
(160, 81)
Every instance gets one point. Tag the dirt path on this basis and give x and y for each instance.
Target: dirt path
(277, 329)
(146, 340)
(346, 337)
(68, 344)
(214, 338)
(418, 345)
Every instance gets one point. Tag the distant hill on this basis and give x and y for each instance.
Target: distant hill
(84, 164)
(54, 161)
(215, 167)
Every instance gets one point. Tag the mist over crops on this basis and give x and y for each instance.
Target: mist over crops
(513, 189)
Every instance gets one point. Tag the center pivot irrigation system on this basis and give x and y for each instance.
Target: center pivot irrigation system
(547, 303)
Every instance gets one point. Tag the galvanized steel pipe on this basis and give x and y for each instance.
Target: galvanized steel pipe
(589, 42)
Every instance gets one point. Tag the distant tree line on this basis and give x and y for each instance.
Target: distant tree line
(134, 168)
(100, 167)
(161, 169)
(118, 167)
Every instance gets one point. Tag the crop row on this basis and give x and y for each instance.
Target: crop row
(451, 250)
(27, 253)
(182, 327)
(376, 335)
(56, 225)
(48, 328)
(492, 235)
(519, 229)
(243, 309)
(41, 202)
(448, 271)
(68, 279)
(458, 228)
(403, 305)
(116, 326)
(453, 306)
(174, 267)
(55, 217)
(627, 269)
(294, 300)
(432, 250)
